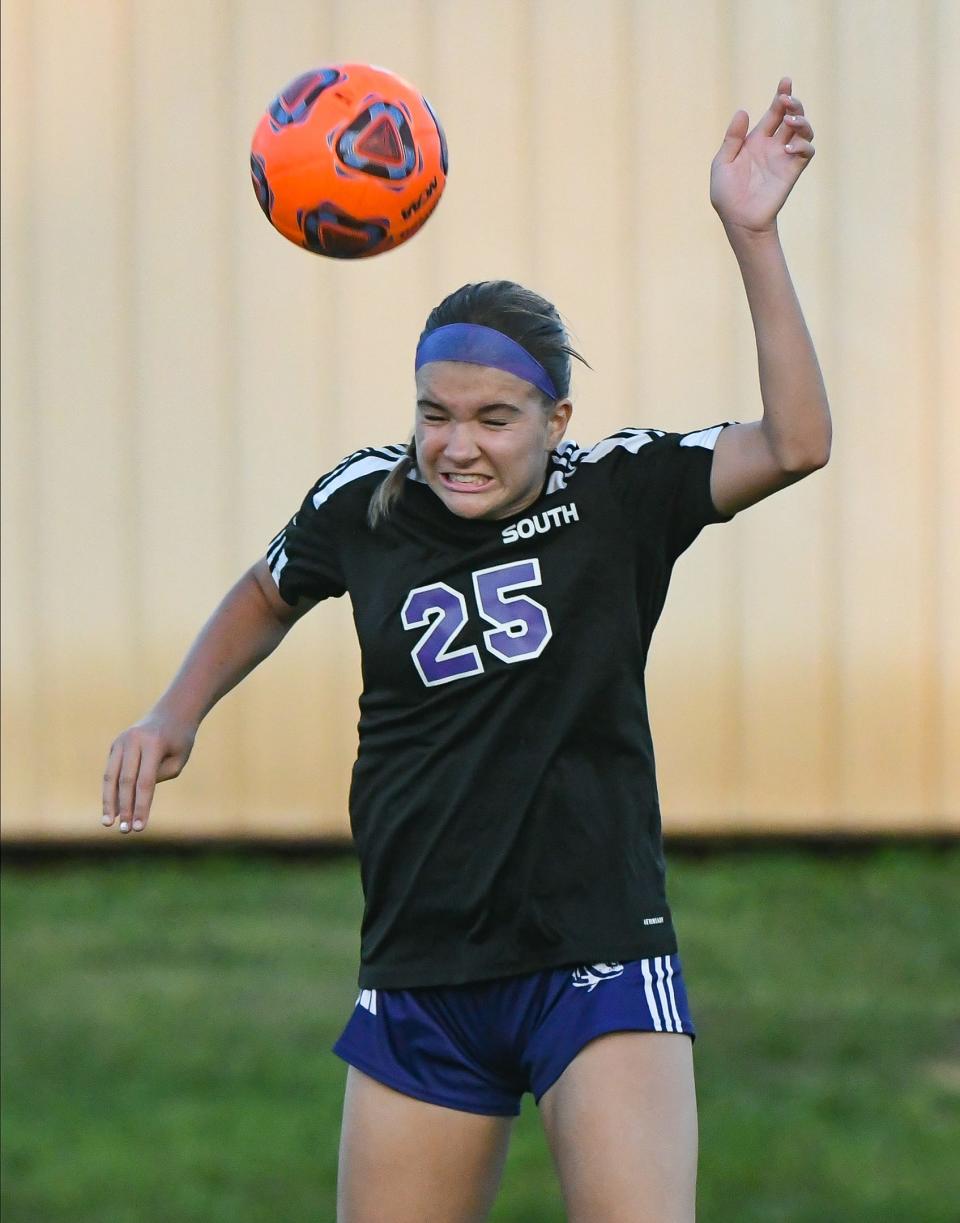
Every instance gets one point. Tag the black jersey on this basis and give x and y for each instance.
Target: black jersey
(504, 800)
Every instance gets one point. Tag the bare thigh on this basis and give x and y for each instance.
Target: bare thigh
(406, 1161)
(621, 1122)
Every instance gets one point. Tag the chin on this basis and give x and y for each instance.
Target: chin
(473, 507)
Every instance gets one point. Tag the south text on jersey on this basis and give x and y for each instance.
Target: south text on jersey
(539, 524)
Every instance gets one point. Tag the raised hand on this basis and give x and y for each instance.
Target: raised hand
(752, 174)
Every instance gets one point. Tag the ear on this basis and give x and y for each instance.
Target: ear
(557, 421)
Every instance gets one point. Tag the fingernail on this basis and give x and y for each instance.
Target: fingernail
(137, 825)
(788, 148)
(106, 820)
(124, 826)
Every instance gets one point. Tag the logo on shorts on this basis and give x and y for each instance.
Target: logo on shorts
(590, 975)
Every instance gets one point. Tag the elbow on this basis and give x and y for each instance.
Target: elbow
(804, 461)
(807, 463)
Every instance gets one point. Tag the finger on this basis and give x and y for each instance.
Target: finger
(146, 785)
(170, 766)
(110, 776)
(129, 769)
(794, 105)
(783, 103)
(733, 137)
(797, 125)
(793, 109)
(798, 147)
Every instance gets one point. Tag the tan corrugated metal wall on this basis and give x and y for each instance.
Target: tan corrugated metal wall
(175, 376)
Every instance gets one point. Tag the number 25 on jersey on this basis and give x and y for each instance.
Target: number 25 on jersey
(521, 624)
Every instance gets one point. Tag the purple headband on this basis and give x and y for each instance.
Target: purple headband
(479, 345)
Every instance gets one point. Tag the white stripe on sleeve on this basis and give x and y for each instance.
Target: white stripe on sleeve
(629, 439)
(707, 438)
(361, 467)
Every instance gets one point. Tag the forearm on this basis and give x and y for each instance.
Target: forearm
(241, 633)
(796, 413)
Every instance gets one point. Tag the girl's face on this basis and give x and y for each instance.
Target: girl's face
(483, 437)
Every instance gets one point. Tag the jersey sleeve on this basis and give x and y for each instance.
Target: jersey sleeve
(663, 481)
(304, 557)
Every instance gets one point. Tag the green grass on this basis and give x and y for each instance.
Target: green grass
(167, 1025)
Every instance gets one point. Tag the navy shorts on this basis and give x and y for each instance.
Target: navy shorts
(479, 1047)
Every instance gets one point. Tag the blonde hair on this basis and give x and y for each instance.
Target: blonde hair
(389, 490)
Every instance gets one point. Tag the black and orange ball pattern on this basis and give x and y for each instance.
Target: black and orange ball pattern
(348, 161)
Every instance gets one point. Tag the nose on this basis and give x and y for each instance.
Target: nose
(460, 445)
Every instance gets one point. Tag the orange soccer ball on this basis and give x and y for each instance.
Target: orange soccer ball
(348, 161)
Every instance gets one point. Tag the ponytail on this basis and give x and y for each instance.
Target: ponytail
(388, 492)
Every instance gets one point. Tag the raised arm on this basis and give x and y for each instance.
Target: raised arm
(750, 179)
(249, 624)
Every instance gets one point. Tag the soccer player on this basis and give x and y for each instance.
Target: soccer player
(516, 933)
